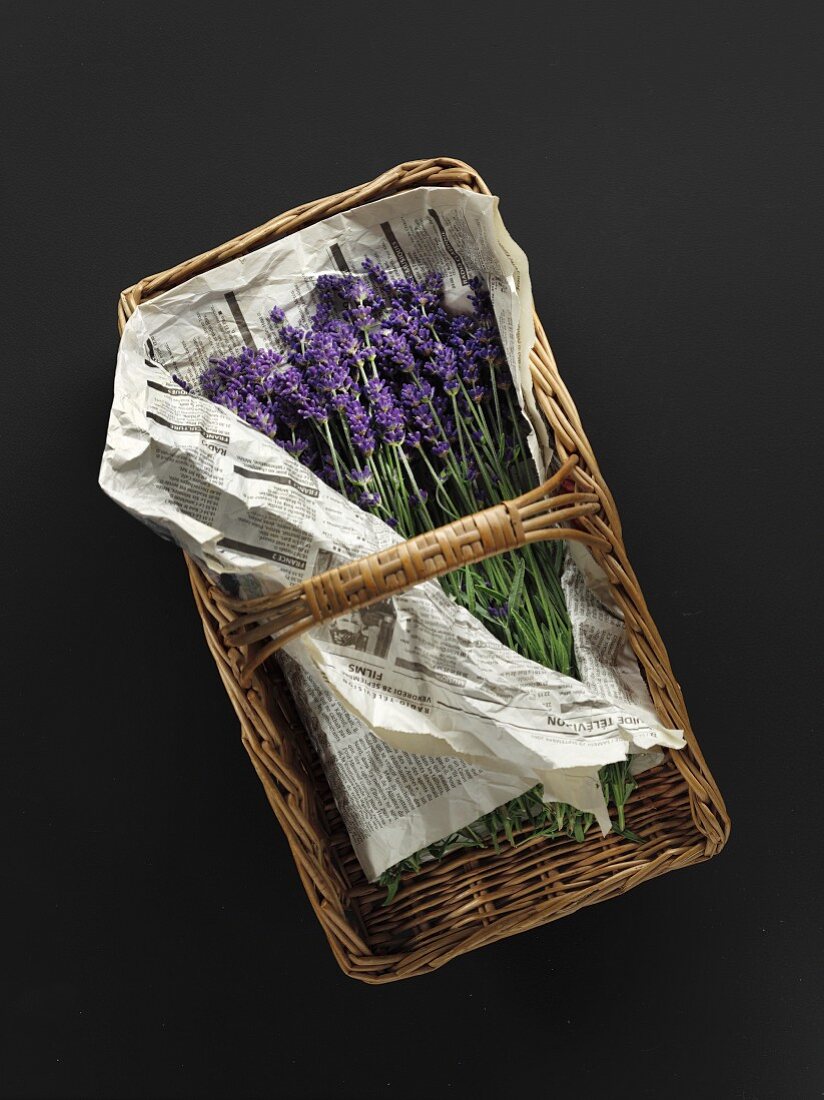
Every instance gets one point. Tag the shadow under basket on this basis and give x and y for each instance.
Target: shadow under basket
(470, 898)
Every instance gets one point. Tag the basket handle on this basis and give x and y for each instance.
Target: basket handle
(539, 515)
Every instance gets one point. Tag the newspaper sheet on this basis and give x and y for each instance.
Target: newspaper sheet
(417, 671)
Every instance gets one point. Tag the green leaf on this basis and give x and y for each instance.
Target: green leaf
(517, 584)
(391, 891)
(470, 590)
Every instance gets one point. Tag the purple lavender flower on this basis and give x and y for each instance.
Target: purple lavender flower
(387, 414)
(415, 394)
(359, 425)
(394, 351)
(359, 476)
(312, 407)
(374, 269)
(422, 419)
(327, 472)
(296, 447)
(326, 370)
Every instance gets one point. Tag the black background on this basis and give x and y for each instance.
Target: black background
(661, 164)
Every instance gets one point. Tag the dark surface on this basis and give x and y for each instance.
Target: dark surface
(661, 165)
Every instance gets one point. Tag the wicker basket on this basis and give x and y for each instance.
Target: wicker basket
(470, 898)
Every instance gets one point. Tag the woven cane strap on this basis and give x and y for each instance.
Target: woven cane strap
(374, 578)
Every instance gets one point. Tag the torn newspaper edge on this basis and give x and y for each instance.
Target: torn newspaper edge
(418, 671)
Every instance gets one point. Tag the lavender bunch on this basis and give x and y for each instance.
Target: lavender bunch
(408, 410)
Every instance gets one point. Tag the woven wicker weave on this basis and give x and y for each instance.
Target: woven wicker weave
(470, 898)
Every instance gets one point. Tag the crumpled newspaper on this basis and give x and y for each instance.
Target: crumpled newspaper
(417, 671)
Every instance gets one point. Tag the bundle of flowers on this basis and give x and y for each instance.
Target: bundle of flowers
(408, 409)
